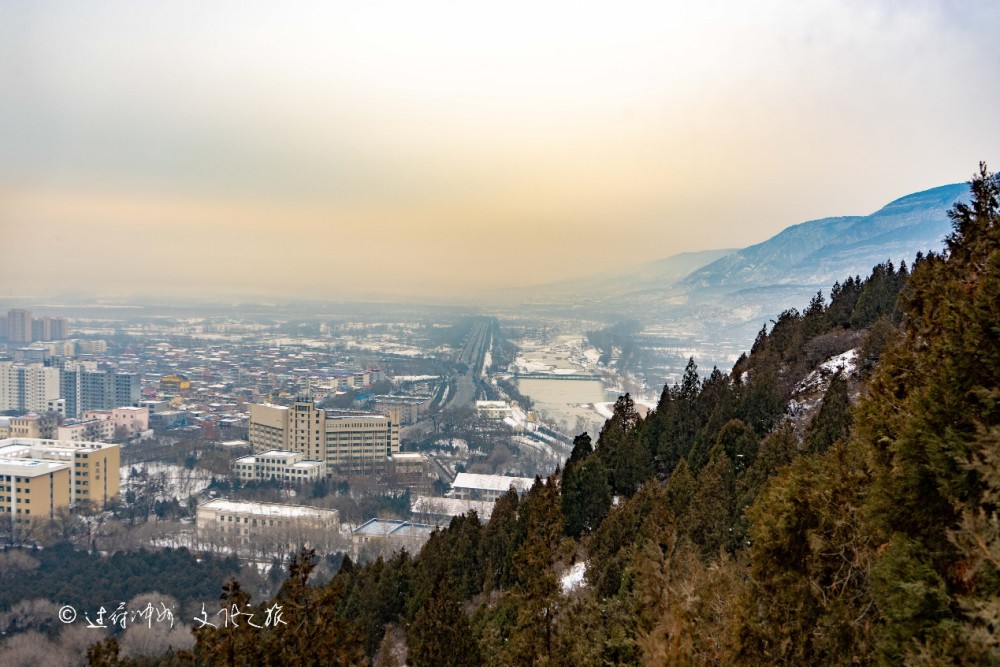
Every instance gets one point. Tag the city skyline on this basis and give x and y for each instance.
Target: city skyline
(439, 152)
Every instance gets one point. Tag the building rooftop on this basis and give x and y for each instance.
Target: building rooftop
(452, 507)
(407, 456)
(271, 510)
(385, 527)
(465, 480)
(29, 467)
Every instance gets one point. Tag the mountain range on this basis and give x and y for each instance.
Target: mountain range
(820, 252)
(727, 294)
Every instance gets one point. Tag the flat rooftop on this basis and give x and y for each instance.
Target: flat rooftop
(465, 480)
(385, 527)
(269, 510)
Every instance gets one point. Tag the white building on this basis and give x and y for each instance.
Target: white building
(440, 511)
(84, 430)
(280, 465)
(493, 409)
(27, 387)
(268, 525)
(487, 487)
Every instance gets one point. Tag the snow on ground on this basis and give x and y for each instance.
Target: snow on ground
(458, 443)
(573, 578)
(529, 366)
(847, 362)
(414, 378)
(819, 379)
(170, 481)
(647, 403)
(606, 410)
(808, 394)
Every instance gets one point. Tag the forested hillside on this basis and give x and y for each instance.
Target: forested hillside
(728, 526)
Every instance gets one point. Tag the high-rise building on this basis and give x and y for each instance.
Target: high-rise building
(85, 388)
(27, 387)
(41, 328)
(59, 328)
(346, 441)
(19, 325)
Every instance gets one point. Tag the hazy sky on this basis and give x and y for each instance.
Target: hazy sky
(434, 149)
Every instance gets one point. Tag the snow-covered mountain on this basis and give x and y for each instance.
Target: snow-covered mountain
(821, 252)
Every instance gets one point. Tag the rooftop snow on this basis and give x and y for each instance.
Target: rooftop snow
(465, 480)
(268, 509)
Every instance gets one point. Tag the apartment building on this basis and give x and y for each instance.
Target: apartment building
(347, 441)
(86, 388)
(27, 386)
(38, 476)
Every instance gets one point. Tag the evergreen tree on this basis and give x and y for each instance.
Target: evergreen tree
(833, 421)
(440, 635)
(585, 496)
(711, 513)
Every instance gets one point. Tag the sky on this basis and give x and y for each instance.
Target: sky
(433, 151)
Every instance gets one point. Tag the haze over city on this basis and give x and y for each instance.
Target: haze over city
(430, 151)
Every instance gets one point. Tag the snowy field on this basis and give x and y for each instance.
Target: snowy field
(169, 481)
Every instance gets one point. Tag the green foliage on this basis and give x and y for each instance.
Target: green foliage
(875, 541)
(585, 496)
(807, 601)
(833, 421)
(440, 635)
(711, 514)
(500, 541)
(89, 581)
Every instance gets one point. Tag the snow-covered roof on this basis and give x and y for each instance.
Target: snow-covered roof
(465, 480)
(383, 527)
(271, 510)
(452, 506)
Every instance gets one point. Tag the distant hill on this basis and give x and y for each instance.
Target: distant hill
(821, 252)
(651, 275)
(727, 294)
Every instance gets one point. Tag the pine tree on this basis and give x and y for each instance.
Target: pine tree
(585, 496)
(834, 419)
(440, 635)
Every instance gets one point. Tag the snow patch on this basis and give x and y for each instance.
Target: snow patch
(573, 578)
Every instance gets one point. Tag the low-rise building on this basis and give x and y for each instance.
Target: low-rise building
(440, 511)
(408, 408)
(34, 426)
(86, 430)
(268, 525)
(278, 464)
(128, 418)
(493, 409)
(470, 486)
(383, 537)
